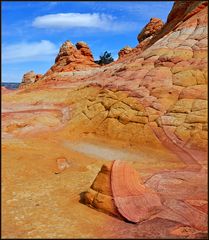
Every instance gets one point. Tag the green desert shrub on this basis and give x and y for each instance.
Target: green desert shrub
(105, 58)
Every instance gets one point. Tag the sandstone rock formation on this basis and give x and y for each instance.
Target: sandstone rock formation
(134, 201)
(85, 50)
(152, 28)
(147, 33)
(100, 195)
(118, 190)
(124, 51)
(181, 12)
(29, 78)
(72, 57)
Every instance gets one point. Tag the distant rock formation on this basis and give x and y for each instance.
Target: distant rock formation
(30, 77)
(5, 90)
(85, 50)
(124, 51)
(148, 32)
(153, 27)
(72, 58)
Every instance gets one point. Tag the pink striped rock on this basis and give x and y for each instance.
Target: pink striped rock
(134, 201)
(117, 190)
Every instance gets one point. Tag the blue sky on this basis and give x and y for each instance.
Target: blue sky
(32, 32)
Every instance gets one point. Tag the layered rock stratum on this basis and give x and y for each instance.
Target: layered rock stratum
(149, 108)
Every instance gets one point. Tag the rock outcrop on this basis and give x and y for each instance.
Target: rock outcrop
(180, 13)
(124, 51)
(70, 57)
(163, 87)
(29, 78)
(147, 33)
(100, 195)
(151, 29)
(85, 50)
(118, 190)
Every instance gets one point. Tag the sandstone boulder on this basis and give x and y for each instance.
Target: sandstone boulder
(118, 190)
(66, 50)
(99, 196)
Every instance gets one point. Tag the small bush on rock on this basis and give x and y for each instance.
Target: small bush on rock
(106, 58)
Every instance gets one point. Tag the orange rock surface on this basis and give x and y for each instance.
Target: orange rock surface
(153, 27)
(124, 51)
(72, 57)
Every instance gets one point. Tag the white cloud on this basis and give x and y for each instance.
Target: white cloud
(24, 52)
(81, 20)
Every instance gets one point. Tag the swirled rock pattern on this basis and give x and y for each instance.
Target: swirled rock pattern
(133, 200)
(118, 190)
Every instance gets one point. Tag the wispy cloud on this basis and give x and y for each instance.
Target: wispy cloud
(104, 22)
(145, 9)
(28, 51)
(140, 10)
